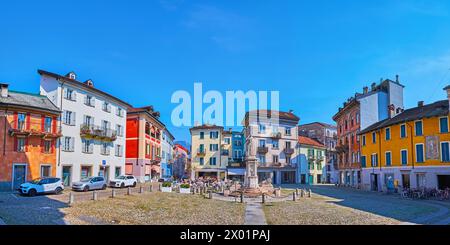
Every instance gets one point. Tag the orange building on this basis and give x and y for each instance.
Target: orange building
(143, 146)
(28, 133)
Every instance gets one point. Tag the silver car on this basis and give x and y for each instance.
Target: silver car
(89, 184)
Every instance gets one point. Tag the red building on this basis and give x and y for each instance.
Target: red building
(143, 143)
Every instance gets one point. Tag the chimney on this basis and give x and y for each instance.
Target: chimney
(446, 89)
(397, 79)
(392, 111)
(4, 90)
(373, 86)
(290, 111)
(365, 90)
(420, 103)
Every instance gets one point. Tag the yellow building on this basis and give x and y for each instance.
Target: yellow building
(207, 159)
(408, 150)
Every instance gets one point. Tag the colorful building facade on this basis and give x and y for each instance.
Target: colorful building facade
(143, 140)
(29, 130)
(408, 150)
(167, 154)
(312, 158)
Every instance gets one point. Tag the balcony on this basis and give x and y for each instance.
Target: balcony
(156, 159)
(35, 129)
(262, 149)
(97, 132)
(275, 135)
(236, 163)
(289, 151)
(225, 153)
(201, 152)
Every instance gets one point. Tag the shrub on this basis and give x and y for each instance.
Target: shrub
(167, 184)
(185, 186)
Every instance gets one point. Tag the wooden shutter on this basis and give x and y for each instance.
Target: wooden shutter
(42, 123)
(72, 143)
(15, 120)
(42, 145)
(27, 121)
(15, 143)
(54, 124)
(73, 118)
(52, 146)
(26, 144)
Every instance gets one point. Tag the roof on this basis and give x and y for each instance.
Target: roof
(439, 108)
(29, 100)
(269, 113)
(308, 141)
(182, 147)
(326, 125)
(81, 84)
(206, 126)
(148, 110)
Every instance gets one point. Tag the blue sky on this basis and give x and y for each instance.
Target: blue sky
(316, 53)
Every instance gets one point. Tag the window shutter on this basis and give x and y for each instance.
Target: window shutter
(86, 99)
(26, 144)
(65, 93)
(42, 146)
(54, 122)
(52, 150)
(15, 143)
(42, 123)
(64, 116)
(91, 147)
(27, 121)
(74, 94)
(73, 118)
(72, 144)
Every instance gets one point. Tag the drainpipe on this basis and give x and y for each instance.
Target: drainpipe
(60, 122)
(412, 144)
(4, 131)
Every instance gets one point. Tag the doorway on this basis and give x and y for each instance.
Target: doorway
(303, 179)
(288, 177)
(19, 175)
(374, 182)
(405, 181)
(67, 175)
(443, 182)
(311, 179)
(104, 172)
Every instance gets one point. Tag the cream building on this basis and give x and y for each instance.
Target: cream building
(312, 159)
(207, 159)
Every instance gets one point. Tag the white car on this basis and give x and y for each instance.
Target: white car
(42, 186)
(123, 181)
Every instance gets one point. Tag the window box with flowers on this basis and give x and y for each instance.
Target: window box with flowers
(166, 187)
(185, 189)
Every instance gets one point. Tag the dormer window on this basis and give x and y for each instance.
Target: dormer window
(89, 82)
(71, 75)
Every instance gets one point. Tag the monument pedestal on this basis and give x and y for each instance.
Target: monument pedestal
(251, 186)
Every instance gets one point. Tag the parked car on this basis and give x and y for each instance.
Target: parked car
(123, 181)
(89, 184)
(42, 186)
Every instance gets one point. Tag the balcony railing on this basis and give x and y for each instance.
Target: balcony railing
(225, 153)
(97, 132)
(262, 149)
(289, 151)
(35, 129)
(275, 135)
(201, 152)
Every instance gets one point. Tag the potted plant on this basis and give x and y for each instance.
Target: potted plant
(185, 188)
(166, 187)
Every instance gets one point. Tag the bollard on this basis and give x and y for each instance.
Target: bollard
(293, 196)
(263, 197)
(151, 187)
(210, 195)
(242, 197)
(302, 193)
(113, 193)
(193, 190)
(141, 189)
(309, 193)
(160, 186)
(201, 191)
(71, 199)
(129, 191)
(296, 191)
(94, 196)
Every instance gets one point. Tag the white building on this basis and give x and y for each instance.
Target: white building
(167, 155)
(93, 126)
(272, 137)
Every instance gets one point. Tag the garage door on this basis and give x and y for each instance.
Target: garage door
(443, 182)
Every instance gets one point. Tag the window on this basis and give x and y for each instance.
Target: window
(20, 145)
(262, 143)
(287, 131)
(227, 141)
(106, 125)
(213, 147)
(374, 138)
(419, 153)
(418, 128)
(21, 119)
(403, 131)
(68, 144)
(261, 128)
(106, 107)
(202, 161)
(105, 149)
(69, 94)
(69, 118)
(119, 151)
(275, 144)
(363, 161)
(87, 146)
(147, 150)
(202, 148)
(89, 100)
(214, 135)
(88, 120)
(237, 143)
(212, 161)
(47, 124)
(45, 171)
(388, 158)
(119, 112)
(404, 157)
(85, 172)
(388, 133)
(119, 129)
(374, 160)
(445, 152)
(443, 124)
(363, 140)
(202, 135)
(47, 146)
(274, 158)
(262, 159)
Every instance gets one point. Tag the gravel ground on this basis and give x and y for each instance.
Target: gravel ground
(156, 209)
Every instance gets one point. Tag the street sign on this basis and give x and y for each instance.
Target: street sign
(104, 162)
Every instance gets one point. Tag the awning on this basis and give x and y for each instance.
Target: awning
(236, 171)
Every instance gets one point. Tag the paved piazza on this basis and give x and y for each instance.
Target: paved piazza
(328, 205)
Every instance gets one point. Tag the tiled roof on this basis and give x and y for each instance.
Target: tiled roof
(308, 141)
(439, 108)
(206, 126)
(34, 101)
(326, 125)
(270, 113)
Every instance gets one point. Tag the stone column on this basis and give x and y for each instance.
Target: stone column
(251, 173)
